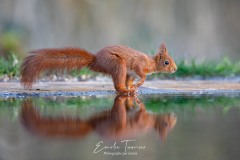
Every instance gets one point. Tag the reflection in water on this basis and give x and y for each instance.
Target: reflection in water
(127, 118)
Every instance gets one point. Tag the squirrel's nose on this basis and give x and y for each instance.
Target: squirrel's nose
(174, 69)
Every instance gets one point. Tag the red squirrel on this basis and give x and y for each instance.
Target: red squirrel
(122, 63)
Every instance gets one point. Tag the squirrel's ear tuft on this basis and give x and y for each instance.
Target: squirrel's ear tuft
(163, 48)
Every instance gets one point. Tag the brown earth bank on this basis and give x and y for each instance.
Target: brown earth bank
(92, 88)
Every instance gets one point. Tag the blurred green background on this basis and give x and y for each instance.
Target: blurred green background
(194, 31)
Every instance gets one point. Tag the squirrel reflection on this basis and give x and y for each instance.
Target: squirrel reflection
(127, 118)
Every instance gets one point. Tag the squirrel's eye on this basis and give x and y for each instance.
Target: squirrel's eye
(166, 62)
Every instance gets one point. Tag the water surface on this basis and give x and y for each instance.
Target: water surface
(147, 127)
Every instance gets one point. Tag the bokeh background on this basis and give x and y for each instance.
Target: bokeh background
(206, 29)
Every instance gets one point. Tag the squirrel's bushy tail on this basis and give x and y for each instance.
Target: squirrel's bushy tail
(42, 60)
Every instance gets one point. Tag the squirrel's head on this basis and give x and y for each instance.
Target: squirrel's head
(164, 62)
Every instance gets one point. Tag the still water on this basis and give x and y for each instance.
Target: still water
(147, 127)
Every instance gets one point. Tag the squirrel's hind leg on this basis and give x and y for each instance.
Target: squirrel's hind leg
(119, 75)
(119, 78)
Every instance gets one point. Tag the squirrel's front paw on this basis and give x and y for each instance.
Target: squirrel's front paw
(133, 87)
(130, 92)
(127, 92)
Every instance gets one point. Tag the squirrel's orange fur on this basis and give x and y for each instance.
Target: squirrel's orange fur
(123, 63)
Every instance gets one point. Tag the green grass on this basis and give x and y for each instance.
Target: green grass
(10, 67)
(224, 68)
